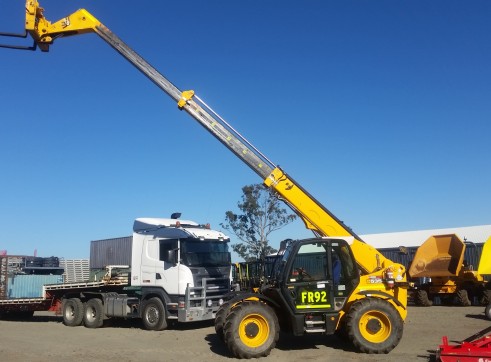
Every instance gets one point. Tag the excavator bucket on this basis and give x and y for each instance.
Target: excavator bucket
(438, 256)
(485, 262)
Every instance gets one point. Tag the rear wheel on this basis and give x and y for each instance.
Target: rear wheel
(422, 299)
(463, 298)
(251, 330)
(220, 319)
(154, 315)
(94, 313)
(73, 312)
(487, 311)
(374, 326)
(486, 297)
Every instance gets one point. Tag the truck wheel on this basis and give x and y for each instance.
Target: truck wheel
(73, 312)
(463, 298)
(487, 311)
(220, 319)
(374, 326)
(486, 297)
(94, 313)
(251, 330)
(422, 299)
(154, 315)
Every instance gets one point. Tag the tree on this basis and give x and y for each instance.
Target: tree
(261, 215)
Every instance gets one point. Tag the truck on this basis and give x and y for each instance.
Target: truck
(439, 263)
(174, 271)
(353, 290)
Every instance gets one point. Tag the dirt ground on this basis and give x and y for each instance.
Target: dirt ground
(45, 338)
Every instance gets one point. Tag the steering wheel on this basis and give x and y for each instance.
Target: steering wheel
(303, 273)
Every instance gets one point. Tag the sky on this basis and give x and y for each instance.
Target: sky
(379, 109)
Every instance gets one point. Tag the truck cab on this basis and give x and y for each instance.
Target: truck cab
(188, 262)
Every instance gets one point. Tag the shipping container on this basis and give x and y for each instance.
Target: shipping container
(30, 286)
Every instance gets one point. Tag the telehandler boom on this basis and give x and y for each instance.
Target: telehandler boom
(368, 306)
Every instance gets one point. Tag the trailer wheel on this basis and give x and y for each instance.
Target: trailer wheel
(487, 311)
(154, 318)
(94, 313)
(374, 326)
(73, 312)
(220, 319)
(422, 298)
(463, 298)
(251, 330)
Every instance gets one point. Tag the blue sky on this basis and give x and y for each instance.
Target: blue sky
(380, 109)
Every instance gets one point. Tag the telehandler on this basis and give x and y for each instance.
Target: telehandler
(332, 283)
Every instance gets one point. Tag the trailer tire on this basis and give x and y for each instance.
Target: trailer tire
(374, 326)
(422, 298)
(73, 312)
(94, 313)
(220, 319)
(463, 298)
(251, 330)
(154, 318)
(487, 311)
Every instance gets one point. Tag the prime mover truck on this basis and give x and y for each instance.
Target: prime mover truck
(178, 270)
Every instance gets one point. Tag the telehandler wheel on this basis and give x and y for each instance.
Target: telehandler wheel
(153, 316)
(94, 313)
(220, 319)
(251, 330)
(487, 311)
(422, 299)
(374, 326)
(73, 312)
(463, 298)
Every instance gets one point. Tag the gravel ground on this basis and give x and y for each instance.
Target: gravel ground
(45, 338)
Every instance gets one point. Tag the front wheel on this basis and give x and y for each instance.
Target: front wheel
(374, 326)
(251, 330)
(154, 315)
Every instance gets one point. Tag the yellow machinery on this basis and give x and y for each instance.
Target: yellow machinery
(350, 289)
(440, 259)
(485, 269)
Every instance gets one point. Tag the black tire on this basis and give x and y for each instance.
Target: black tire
(487, 311)
(73, 312)
(463, 298)
(251, 330)
(486, 297)
(220, 319)
(374, 326)
(94, 313)
(153, 316)
(421, 298)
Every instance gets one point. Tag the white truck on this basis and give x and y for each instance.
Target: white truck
(178, 270)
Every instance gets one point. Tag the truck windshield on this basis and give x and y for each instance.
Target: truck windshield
(204, 253)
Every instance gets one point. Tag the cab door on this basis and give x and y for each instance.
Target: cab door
(309, 280)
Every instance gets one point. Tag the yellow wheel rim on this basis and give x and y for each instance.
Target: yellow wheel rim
(375, 326)
(253, 330)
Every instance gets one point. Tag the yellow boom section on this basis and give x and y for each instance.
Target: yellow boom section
(44, 32)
